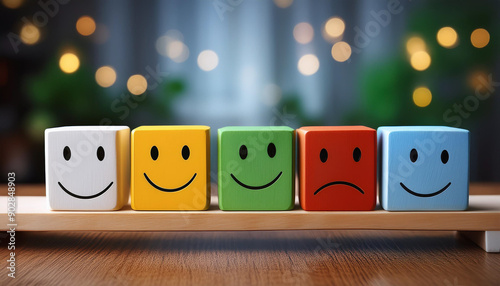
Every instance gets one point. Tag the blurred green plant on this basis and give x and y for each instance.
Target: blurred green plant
(292, 104)
(386, 86)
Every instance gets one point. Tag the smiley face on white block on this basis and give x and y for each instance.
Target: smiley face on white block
(87, 167)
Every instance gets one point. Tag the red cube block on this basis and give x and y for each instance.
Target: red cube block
(337, 168)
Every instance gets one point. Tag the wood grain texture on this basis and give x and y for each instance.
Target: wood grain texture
(321, 257)
(487, 240)
(34, 215)
(246, 258)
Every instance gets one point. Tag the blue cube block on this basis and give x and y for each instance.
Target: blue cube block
(423, 168)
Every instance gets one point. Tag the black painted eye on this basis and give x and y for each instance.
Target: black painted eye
(243, 152)
(413, 155)
(185, 152)
(100, 153)
(323, 155)
(356, 154)
(154, 153)
(66, 153)
(445, 156)
(271, 150)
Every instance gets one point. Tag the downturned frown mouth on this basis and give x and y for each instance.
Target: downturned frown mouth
(256, 187)
(340, 183)
(169, 190)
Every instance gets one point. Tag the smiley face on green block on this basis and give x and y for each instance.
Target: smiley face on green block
(256, 168)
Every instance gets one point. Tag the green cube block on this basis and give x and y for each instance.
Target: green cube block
(256, 168)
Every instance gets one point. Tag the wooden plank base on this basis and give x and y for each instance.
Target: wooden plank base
(33, 215)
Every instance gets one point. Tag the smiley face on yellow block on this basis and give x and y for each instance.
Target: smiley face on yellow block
(170, 168)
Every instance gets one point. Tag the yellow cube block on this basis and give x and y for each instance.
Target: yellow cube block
(170, 168)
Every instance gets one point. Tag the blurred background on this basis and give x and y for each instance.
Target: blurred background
(245, 62)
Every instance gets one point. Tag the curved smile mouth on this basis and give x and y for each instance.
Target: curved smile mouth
(256, 187)
(84, 197)
(169, 190)
(425, 195)
(340, 183)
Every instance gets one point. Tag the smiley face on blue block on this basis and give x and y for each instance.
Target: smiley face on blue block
(423, 168)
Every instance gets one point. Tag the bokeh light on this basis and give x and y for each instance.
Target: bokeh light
(415, 44)
(178, 52)
(480, 38)
(447, 37)
(308, 64)
(105, 76)
(341, 51)
(422, 96)
(175, 49)
(85, 26)
(171, 45)
(137, 84)
(30, 34)
(283, 3)
(208, 60)
(303, 33)
(12, 4)
(69, 63)
(334, 27)
(420, 60)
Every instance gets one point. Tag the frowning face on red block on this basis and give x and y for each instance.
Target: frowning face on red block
(337, 168)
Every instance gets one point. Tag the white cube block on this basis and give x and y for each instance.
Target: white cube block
(87, 167)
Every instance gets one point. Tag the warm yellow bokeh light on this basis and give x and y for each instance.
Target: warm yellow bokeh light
(420, 60)
(208, 60)
(303, 33)
(334, 27)
(30, 34)
(341, 51)
(85, 26)
(105, 76)
(308, 64)
(69, 63)
(447, 37)
(12, 4)
(480, 38)
(137, 84)
(415, 44)
(422, 96)
(283, 3)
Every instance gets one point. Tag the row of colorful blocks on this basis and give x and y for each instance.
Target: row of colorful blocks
(168, 167)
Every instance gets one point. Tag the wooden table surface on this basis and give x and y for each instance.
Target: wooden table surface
(259, 257)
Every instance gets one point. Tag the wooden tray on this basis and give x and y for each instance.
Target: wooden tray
(481, 222)
(33, 215)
